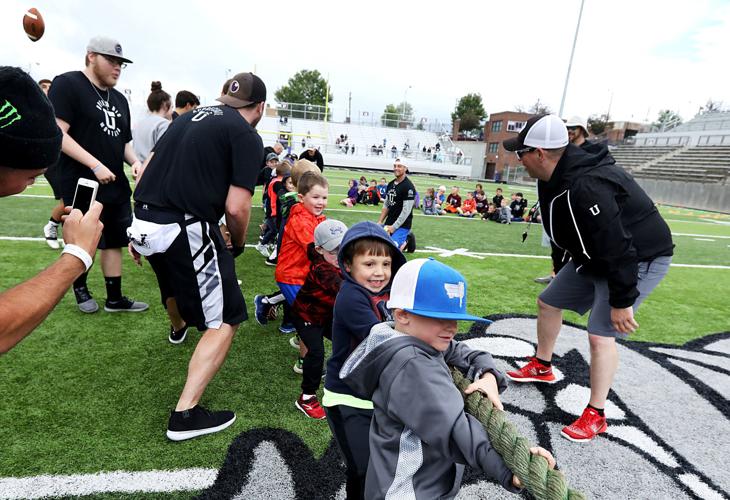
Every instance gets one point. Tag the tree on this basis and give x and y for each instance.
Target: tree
(305, 87)
(400, 115)
(539, 108)
(470, 111)
(712, 106)
(597, 124)
(667, 119)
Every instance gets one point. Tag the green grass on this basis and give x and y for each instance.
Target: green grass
(90, 393)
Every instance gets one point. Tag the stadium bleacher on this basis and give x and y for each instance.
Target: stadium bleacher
(708, 164)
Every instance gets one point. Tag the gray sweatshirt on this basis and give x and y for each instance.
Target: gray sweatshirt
(420, 436)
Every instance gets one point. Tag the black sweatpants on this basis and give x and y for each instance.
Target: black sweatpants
(351, 428)
(313, 364)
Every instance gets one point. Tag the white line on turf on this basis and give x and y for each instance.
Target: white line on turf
(106, 482)
(703, 239)
(440, 251)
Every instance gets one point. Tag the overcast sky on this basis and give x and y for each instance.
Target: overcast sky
(636, 56)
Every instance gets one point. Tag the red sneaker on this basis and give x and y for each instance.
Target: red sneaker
(534, 371)
(588, 426)
(311, 408)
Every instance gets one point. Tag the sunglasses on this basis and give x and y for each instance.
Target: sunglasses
(521, 152)
(114, 61)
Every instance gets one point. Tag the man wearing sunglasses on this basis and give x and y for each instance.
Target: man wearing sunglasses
(619, 246)
(95, 121)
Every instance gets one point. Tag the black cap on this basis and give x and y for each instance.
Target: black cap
(29, 136)
(245, 89)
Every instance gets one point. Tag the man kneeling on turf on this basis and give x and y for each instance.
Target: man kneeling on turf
(420, 437)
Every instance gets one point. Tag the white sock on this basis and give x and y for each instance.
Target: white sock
(307, 396)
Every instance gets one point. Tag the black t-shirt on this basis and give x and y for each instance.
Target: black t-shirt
(201, 155)
(497, 200)
(518, 207)
(315, 158)
(395, 195)
(102, 131)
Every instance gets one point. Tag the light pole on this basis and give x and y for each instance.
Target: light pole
(405, 100)
(570, 63)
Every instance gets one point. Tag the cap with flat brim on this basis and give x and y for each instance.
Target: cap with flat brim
(245, 89)
(108, 47)
(444, 315)
(542, 131)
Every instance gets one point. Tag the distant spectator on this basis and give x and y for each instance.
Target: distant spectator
(497, 198)
(481, 202)
(441, 196)
(150, 129)
(429, 203)
(313, 155)
(45, 85)
(458, 157)
(492, 213)
(394, 151)
(505, 214)
(469, 207)
(382, 186)
(518, 207)
(372, 195)
(351, 198)
(185, 101)
(477, 188)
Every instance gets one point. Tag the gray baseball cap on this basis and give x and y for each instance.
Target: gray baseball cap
(329, 233)
(106, 46)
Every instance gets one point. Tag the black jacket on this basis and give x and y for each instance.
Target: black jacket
(596, 213)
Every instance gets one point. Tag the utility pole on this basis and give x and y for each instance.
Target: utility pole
(349, 108)
(570, 63)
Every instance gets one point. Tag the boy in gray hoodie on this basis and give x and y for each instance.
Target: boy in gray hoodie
(420, 437)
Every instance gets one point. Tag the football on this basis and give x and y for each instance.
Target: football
(33, 24)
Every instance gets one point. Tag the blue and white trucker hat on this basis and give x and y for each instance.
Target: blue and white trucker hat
(427, 287)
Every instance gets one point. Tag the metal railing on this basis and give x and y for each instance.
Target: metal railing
(373, 150)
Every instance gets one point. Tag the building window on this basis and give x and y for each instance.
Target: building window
(497, 126)
(493, 147)
(515, 126)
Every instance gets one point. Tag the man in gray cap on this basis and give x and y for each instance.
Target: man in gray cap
(204, 167)
(95, 121)
(30, 141)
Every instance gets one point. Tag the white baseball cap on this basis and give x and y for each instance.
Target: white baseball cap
(543, 131)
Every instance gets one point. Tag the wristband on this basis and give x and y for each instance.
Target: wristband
(97, 167)
(79, 253)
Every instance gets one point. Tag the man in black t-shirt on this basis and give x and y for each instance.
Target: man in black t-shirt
(397, 212)
(312, 154)
(94, 118)
(204, 167)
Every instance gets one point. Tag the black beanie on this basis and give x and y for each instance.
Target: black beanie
(29, 136)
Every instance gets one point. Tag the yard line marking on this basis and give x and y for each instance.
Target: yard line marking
(701, 236)
(703, 239)
(107, 482)
(32, 196)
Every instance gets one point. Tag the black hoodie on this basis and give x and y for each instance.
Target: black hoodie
(595, 211)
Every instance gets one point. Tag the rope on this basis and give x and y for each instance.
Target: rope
(531, 470)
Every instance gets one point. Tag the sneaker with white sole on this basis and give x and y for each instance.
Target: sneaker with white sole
(50, 231)
(287, 328)
(178, 337)
(544, 280)
(262, 249)
(299, 366)
(125, 305)
(261, 310)
(588, 426)
(197, 421)
(310, 407)
(85, 301)
(294, 342)
(533, 371)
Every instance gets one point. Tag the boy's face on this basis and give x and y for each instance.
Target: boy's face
(289, 184)
(315, 201)
(438, 333)
(454, 190)
(329, 256)
(504, 202)
(382, 182)
(469, 196)
(272, 164)
(498, 191)
(371, 271)
(372, 183)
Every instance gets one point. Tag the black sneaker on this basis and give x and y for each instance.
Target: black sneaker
(178, 337)
(197, 421)
(271, 262)
(125, 305)
(85, 301)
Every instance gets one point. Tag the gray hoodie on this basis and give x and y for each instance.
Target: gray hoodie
(420, 436)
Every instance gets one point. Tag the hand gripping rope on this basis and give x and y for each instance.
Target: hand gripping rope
(531, 470)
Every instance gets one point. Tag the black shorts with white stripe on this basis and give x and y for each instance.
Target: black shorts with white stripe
(199, 273)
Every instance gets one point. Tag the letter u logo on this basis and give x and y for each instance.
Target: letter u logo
(595, 210)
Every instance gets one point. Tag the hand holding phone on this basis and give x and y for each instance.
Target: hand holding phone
(85, 194)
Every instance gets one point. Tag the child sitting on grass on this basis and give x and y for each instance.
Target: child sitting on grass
(313, 308)
(429, 203)
(453, 201)
(419, 417)
(351, 198)
(469, 207)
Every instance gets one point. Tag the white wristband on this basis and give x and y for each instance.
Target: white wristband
(79, 253)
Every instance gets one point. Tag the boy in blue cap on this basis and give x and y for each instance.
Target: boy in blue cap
(421, 438)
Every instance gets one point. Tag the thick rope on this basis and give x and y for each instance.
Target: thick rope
(531, 470)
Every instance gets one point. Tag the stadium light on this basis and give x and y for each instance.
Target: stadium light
(570, 63)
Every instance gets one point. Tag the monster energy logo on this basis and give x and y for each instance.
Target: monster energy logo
(8, 114)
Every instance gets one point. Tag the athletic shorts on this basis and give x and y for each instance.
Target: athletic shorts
(199, 273)
(580, 293)
(117, 218)
(289, 291)
(399, 236)
(52, 177)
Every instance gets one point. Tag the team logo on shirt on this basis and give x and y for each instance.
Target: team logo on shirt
(111, 113)
(202, 113)
(595, 210)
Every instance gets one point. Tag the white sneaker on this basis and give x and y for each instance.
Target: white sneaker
(262, 249)
(50, 231)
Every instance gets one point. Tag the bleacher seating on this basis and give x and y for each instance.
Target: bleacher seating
(709, 164)
(634, 157)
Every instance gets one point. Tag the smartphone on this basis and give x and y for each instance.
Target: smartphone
(85, 194)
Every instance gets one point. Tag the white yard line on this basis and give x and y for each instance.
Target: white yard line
(702, 235)
(106, 482)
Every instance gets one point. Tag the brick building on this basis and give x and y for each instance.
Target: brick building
(501, 126)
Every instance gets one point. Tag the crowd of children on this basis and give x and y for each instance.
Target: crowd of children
(354, 287)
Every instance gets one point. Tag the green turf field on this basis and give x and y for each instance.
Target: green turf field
(91, 393)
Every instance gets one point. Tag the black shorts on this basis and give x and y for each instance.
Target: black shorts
(117, 218)
(199, 273)
(53, 179)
